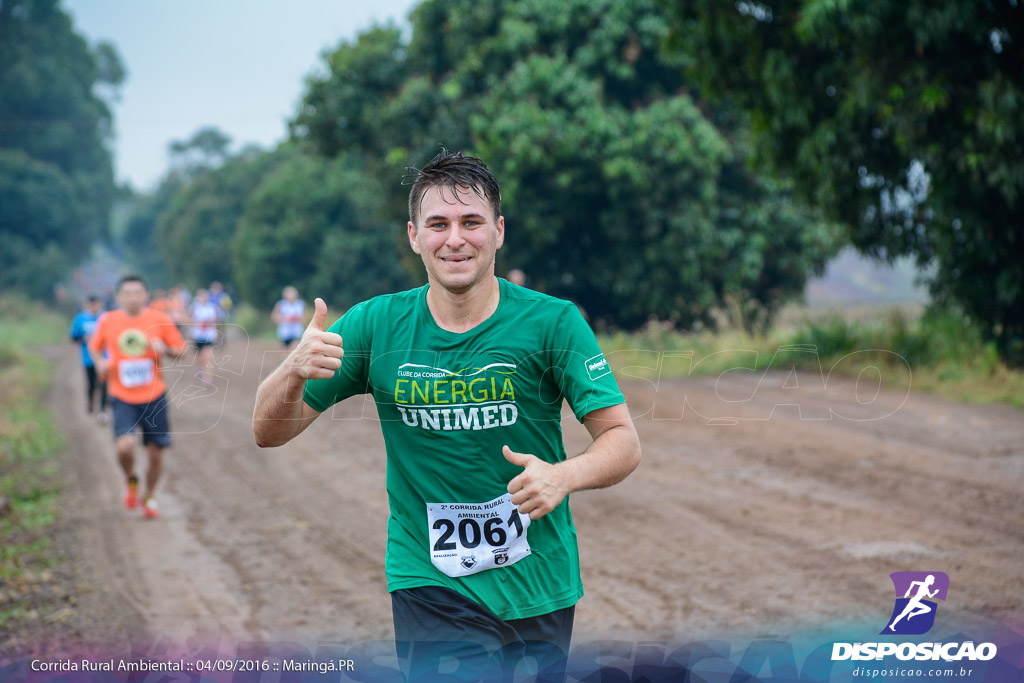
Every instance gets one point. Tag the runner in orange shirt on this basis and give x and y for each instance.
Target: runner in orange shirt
(177, 305)
(159, 300)
(136, 338)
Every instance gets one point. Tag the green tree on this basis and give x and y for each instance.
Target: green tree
(208, 148)
(56, 171)
(620, 191)
(194, 231)
(307, 225)
(902, 120)
(38, 216)
(641, 212)
(346, 105)
(139, 247)
(370, 103)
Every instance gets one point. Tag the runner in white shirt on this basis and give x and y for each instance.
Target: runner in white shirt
(289, 315)
(203, 331)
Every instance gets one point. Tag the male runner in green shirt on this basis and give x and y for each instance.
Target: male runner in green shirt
(468, 373)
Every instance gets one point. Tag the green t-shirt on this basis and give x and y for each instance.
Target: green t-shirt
(447, 403)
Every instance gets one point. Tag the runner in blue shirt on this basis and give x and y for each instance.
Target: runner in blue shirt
(81, 330)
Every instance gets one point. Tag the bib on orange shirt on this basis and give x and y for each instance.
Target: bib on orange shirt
(133, 375)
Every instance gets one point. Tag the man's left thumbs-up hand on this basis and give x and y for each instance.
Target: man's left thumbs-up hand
(539, 488)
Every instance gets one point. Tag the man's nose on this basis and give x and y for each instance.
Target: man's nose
(455, 238)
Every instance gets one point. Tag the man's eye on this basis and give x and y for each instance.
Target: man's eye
(436, 226)
(471, 224)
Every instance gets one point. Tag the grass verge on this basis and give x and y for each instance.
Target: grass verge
(29, 472)
(939, 353)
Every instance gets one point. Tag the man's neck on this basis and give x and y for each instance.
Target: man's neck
(462, 311)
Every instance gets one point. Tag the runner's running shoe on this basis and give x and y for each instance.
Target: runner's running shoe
(149, 509)
(131, 494)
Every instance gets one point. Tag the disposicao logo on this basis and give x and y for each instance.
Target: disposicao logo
(914, 614)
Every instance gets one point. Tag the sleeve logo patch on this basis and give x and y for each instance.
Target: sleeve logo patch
(598, 366)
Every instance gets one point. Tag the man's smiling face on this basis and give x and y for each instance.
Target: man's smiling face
(457, 237)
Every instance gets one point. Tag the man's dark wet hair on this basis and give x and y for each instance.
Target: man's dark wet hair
(449, 170)
(130, 278)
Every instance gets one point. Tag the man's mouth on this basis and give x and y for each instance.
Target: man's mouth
(455, 259)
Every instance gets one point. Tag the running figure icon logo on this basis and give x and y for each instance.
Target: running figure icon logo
(914, 612)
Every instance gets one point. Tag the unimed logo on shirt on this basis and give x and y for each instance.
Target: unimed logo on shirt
(598, 366)
(470, 398)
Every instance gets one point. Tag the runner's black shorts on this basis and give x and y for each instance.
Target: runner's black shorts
(436, 627)
(152, 418)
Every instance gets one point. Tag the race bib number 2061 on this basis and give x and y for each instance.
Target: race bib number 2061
(468, 538)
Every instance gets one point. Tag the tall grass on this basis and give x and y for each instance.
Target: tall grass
(29, 443)
(939, 352)
(24, 323)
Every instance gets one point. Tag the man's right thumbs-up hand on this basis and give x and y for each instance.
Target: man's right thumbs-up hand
(318, 354)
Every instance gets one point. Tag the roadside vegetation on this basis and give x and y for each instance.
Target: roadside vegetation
(29, 471)
(940, 353)
(937, 352)
(255, 323)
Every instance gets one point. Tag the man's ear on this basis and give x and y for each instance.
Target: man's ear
(413, 232)
(500, 225)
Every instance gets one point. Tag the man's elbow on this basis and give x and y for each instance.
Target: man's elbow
(635, 452)
(262, 441)
(265, 439)
(631, 451)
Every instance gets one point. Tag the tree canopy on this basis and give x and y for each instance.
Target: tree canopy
(321, 214)
(56, 174)
(902, 120)
(620, 190)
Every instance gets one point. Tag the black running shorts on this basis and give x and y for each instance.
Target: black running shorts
(439, 632)
(150, 417)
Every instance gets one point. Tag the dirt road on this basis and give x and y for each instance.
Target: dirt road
(764, 504)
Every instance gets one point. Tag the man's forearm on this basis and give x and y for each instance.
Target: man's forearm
(542, 486)
(608, 460)
(278, 413)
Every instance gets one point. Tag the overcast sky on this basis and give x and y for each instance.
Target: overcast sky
(239, 65)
